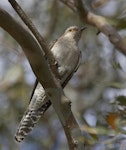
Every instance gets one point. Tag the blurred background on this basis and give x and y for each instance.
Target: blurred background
(97, 90)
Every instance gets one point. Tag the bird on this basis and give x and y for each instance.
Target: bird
(67, 55)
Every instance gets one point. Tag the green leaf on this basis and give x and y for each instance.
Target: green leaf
(121, 99)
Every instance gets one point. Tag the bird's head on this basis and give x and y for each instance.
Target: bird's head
(74, 32)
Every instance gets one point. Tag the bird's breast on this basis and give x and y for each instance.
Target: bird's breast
(63, 50)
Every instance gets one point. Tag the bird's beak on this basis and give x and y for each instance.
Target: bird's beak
(83, 28)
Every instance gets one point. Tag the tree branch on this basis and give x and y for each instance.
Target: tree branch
(38, 36)
(69, 3)
(102, 24)
(30, 46)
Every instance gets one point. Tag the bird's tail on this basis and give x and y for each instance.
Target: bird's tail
(28, 121)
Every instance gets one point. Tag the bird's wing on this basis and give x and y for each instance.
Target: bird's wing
(67, 79)
(51, 44)
(74, 70)
(33, 90)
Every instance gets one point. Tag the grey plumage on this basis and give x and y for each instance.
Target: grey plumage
(67, 55)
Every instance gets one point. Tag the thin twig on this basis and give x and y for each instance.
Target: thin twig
(41, 40)
(53, 18)
(69, 4)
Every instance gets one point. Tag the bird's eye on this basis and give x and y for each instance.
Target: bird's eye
(71, 30)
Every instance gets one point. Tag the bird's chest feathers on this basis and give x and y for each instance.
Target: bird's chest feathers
(64, 49)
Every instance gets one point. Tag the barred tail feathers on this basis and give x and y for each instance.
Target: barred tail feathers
(29, 120)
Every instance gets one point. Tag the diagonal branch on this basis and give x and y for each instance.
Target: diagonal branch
(30, 46)
(102, 24)
(38, 36)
